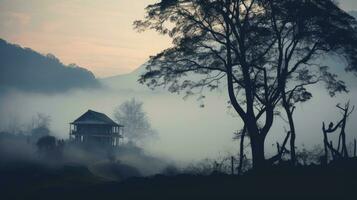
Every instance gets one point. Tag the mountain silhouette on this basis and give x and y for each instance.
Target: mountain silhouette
(27, 70)
(126, 82)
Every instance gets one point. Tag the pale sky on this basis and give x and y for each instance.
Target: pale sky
(97, 35)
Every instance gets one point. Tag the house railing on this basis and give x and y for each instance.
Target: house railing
(98, 134)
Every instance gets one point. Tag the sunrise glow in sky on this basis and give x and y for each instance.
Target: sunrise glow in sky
(97, 35)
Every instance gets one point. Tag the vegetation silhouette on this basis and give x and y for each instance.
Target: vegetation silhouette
(50, 148)
(135, 120)
(26, 70)
(310, 182)
(259, 47)
(341, 151)
(265, 53)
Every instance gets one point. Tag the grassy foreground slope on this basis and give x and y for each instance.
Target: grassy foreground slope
(337, 181)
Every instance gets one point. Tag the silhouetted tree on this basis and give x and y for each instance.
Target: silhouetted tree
(301, 40)
(281, 150)
(135, 120)
(13, 125)
(46, 143)
(49, 147)
(341, 151)
(46, 146)
(354, 148)
(40, 126)
(40, 120)
(241, 136)
(257, 45)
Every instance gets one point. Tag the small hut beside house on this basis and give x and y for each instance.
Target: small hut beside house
(95, 128)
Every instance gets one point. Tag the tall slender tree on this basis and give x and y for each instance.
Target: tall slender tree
(304, 33)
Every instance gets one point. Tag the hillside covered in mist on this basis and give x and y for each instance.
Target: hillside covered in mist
(27, 70)
(181, 123)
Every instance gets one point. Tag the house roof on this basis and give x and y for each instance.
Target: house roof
(93, 117)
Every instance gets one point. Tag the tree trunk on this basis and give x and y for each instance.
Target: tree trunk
(257, 145)
(292, 138)
(257, 139)
(355, 148)
(258, 155)
(232, 165)
(343, 134)
(241, 150)
(289, 113)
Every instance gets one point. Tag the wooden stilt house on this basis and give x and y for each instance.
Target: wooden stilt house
(95, 128)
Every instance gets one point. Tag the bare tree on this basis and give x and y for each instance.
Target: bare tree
(241, 135)
(136, 123)
(257, 46)
(341, 151)
(13, 126)
(40, 126)
(40, 120)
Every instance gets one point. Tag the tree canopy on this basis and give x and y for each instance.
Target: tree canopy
(257, 48)
(136, 123)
